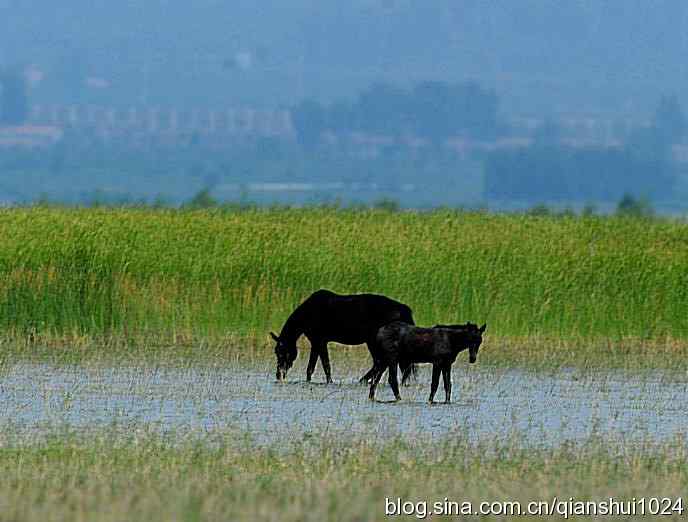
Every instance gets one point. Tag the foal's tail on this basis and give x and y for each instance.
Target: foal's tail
(411, 370)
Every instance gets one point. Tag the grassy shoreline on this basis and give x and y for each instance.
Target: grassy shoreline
(535, 353)
(145, 479)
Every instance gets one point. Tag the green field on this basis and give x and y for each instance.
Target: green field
(170, 273)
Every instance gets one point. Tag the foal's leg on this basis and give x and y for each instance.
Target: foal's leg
(435, 382)
(446, 376)
(394, 384)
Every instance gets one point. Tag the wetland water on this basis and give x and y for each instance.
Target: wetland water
(542, 409)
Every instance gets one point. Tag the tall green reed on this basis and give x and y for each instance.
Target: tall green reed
(113, 271)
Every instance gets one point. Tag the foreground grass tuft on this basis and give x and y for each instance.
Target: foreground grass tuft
(68, 478)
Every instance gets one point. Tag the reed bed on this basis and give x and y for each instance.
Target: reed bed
(172, 274)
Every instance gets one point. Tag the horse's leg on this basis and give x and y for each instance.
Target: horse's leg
(368, 375)
(435, 381)
(394, 384)
(407, 372)
(446, 376)
(372, 348)
(377, 375)
(325, 360)
(312, 361)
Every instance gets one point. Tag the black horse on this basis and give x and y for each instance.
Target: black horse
(401, 344)
(346, 319)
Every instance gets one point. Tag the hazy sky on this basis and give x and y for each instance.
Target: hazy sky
(541, 56)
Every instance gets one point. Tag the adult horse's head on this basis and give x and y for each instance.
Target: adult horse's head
(286, 355)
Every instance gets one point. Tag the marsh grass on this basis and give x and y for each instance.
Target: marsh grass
(191, 288)
(534, 353)
(142, 477)
(171, 277)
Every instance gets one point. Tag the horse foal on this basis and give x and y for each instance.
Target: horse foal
(402, 344)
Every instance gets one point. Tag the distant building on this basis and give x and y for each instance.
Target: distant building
(168, 124)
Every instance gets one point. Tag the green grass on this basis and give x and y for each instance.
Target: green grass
(171, 275)
(144, 478)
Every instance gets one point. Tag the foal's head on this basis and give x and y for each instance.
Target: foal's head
(286, 355)
(474, 338)
(471, 337)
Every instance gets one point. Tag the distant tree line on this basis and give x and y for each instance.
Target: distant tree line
(549, 170)
(433, 109)
(566, 173)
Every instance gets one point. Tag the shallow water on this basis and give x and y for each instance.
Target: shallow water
(540, 409)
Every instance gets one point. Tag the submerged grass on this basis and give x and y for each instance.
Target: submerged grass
(144, 478)
(172, 277)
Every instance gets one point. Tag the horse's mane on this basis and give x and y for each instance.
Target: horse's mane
(293, 326)
(467, 326)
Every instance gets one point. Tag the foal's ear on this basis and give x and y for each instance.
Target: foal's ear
(276, 339)
(483, 327)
